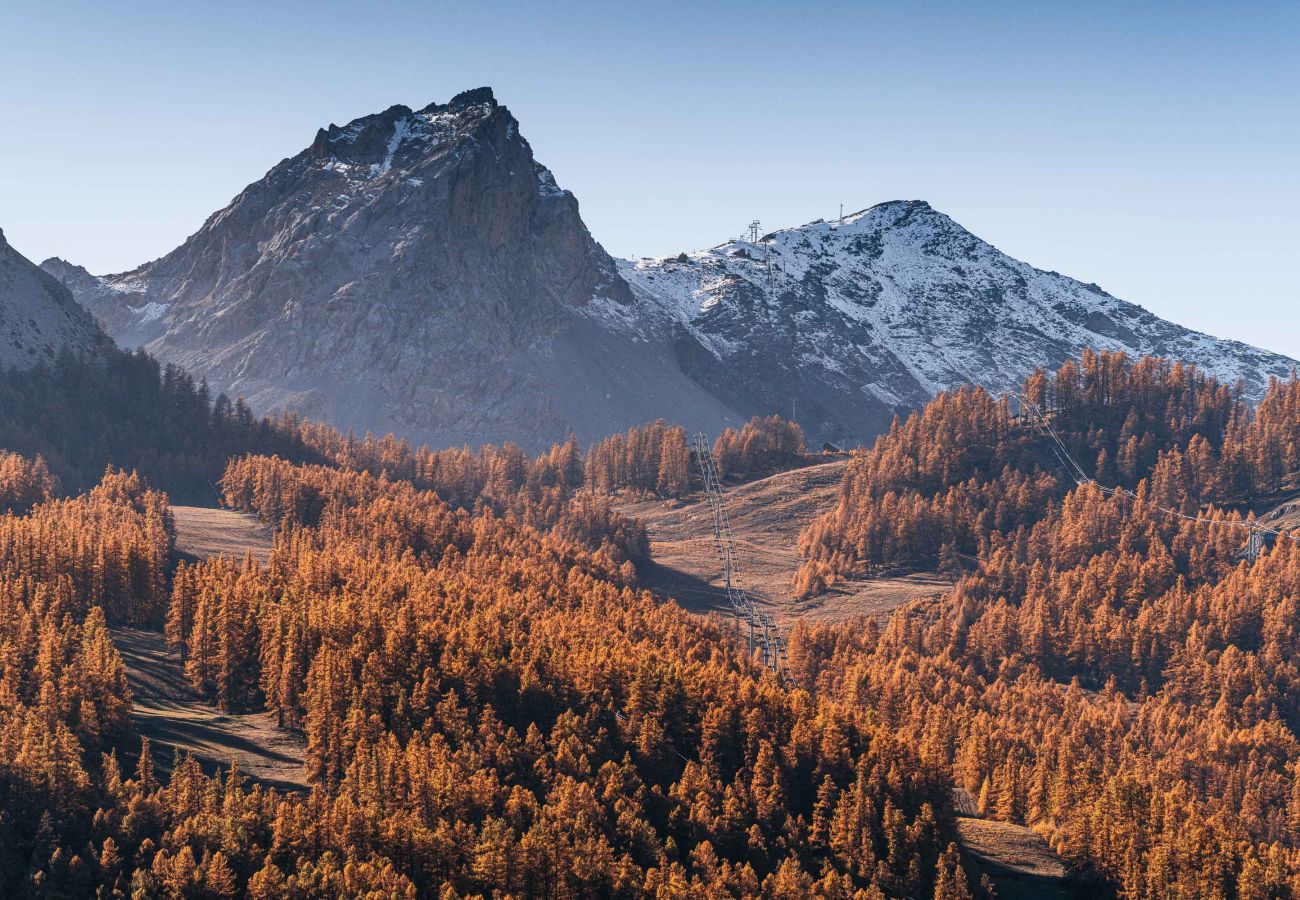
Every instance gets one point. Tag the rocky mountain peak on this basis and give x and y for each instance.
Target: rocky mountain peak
(417, 271)
(480, 96)
(70, 274)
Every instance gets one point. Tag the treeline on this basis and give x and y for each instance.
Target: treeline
(646, 460)
(490, 709)
(656, 458)
(284, 494)
(762, 446)
(651, 459)
(1115, 676)
(124, 410)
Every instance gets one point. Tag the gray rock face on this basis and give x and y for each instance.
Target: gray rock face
(413, 271)
(853, 320)
(38, 315)
(418, 271)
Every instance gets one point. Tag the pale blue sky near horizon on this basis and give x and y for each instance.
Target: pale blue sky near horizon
(1152, 148)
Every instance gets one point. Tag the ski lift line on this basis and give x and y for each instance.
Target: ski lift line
(1081, 477)
(763, 631)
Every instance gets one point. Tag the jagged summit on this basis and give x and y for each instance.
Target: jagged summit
(400, 132)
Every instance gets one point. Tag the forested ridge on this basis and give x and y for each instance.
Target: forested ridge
(1117, 676)
(81, 414)
(493, 708)
(490, 706)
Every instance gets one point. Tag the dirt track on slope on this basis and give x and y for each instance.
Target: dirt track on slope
(766, 518)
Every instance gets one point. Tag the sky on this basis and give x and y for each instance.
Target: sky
(1152, 148)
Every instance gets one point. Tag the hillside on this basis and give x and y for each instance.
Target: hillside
(767, 516)
(1115, 639)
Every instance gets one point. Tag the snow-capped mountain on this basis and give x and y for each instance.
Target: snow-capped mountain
(38, 316)
(415, 271)
(419, 271)
(849, 321)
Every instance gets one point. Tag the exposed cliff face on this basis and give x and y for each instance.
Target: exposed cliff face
(419, 271)
(416, 271)
(38, 316)
(855, 319)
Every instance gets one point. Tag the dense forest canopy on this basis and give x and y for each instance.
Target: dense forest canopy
(487, 707)
(1120, 677)
(492, 707)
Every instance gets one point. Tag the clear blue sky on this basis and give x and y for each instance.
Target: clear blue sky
(1153, 148)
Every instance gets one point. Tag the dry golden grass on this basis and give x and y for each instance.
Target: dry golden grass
(766, 518)
(1017, 859)
(1012, 847)
(203, 532)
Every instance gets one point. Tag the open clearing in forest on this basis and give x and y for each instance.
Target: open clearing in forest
(166, 710)
(1017, 859)
(766, 518)
(203, 532)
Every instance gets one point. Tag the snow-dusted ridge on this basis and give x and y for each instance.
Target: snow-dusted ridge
(894, 303)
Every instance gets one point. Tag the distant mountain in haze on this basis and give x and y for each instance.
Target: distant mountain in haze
(419, 271)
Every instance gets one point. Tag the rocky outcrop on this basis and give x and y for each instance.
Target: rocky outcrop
(38, 316)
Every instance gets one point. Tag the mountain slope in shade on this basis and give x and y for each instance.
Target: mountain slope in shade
(38, 315)
(852, 320)
(415, 271)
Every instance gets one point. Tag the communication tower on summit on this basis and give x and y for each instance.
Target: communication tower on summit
(752, 232)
